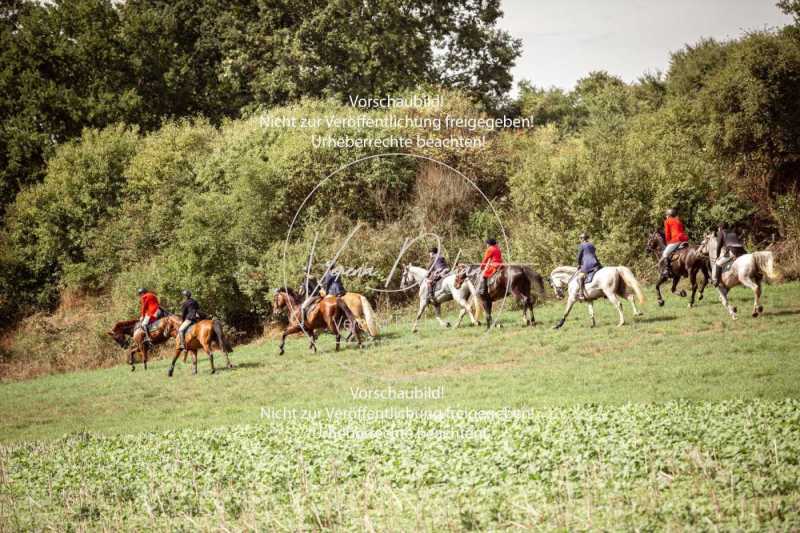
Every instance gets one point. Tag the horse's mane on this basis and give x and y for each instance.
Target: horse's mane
(125, 326)
(287, 290)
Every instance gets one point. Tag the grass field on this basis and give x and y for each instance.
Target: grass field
(682, 418)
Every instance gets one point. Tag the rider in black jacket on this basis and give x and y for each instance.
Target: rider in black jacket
(190, 313)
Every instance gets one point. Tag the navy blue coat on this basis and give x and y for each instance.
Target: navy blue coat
(587, 257)
(332, 284)
(438, 264)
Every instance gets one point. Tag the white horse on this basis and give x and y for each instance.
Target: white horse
(446, 291)
(748, 269)
(609, 282)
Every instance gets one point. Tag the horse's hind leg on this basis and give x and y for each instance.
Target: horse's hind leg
(756, 288)
(704, 270)
(632, 299)
(723, 296)
(617, 303)
(526, 305)
(194, 362)
(693, 280)
(674, 289)
(591, 312)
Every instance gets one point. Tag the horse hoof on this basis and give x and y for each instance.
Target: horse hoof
(700, 297)
(735, 310)
(683, 294)
(760, 309)
(755, 314)
(213, 370)
(447, 324)
(559, 324)
(661, 303)
(690, 305)
(133, 368)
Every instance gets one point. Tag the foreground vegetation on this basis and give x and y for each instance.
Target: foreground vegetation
(730, 465)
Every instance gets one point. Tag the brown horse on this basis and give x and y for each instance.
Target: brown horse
(513, 279)
(685, 262)
(161, 331)
(330, 313)
(203, 335)
(357, 303)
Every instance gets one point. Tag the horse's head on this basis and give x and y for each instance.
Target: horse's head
(655, 243)
(704, 247)
(121, 331)
(283, 298)
(558, 288)
(461, 276)
(407, 279)
(120, 338)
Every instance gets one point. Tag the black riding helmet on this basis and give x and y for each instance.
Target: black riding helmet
(491, 241)
(433, 250)
(186, 293)
(141, 290)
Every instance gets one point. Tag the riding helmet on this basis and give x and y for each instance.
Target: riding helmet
(584, 236)
(491, 241)
(434, 250)
(186, 293)
(671, 212)
(141, 290)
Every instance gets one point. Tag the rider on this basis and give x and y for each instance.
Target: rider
(150, 311)
(729, 247)
(587, 262)
(190, 313)
(674, 235)
(492, 260)
(436, 270)
(331, 283)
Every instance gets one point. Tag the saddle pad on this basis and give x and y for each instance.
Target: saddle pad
(590, 275)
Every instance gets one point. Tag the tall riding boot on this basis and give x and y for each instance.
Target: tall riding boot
(182, 338)
(484, 288)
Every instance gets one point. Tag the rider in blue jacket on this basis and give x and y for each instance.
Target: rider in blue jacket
(587, 262)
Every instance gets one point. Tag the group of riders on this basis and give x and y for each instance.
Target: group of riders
(729, 247)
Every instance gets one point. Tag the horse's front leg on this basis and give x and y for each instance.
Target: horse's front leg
(661, 280)
(723, 296)
(675, 281)
(194, 362)
(438, 310)
(423, 303)
(591, 312)
(570, 303)
(704, 270)
(174, 359)
(132, 358)
(487, 308)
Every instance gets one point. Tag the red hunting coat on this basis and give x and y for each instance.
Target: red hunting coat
(149, 305)
(674, 231)
(492, 259)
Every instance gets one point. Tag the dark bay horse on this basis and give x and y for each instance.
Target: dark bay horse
(513, 279)
(203, 335)
(686, 262)
(161, 331)
(329, 314)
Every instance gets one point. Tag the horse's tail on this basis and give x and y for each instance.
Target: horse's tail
(765, 262)
(630, 281)
(369, 317)
(536, 279)
(221, 340)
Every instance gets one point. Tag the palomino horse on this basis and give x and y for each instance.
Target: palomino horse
(330, 313)
(749, 270)
(686, 262)
(205, 335)
(612, 283)
(160, 332)
(414, 275)
(513, 279)
(357, 303)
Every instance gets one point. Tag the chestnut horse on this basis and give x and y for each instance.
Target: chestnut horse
(330, 313)
(203, 335)
(161, 331)
(357, 303)
(513, 279)
(685, 262)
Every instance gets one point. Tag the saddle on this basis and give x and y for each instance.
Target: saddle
(590, 275)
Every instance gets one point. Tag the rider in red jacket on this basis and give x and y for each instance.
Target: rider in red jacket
(674, 235)
(492, 261)
(150, 310)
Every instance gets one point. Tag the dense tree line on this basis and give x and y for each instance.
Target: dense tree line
(71, 64)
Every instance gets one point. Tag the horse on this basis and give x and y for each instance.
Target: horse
(205, 335)
(356, 302)
(612, 283)
(160, 332)
(414, 275)
(330, 314)
(748, 269)
(509, 278)
(685, 262)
